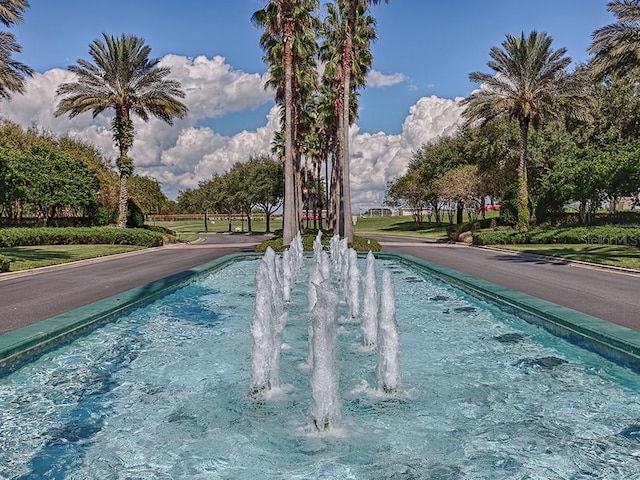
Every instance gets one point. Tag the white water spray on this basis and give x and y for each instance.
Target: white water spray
(369, 325)
(388, 367)
(325, 404)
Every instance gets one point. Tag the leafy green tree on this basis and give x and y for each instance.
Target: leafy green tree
(529, 82)
(463, 186)
(218, 194)
(266, 185)
(190, 201)
(50, 184)
(579, 176)
(12, 135)
(616, 113)
(147, 194)
(408, 191)
(122, 77)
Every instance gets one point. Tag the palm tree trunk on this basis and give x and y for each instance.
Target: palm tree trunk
(336, 183)
(299, 199)
(124, 197)
(345, 196)
(290, 222)
(524, 215)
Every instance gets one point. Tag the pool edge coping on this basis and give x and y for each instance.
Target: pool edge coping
(615, 342)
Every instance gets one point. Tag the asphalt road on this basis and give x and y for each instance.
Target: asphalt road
(27, 297)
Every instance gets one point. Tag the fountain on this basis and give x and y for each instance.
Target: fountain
(166, 390)
(266, 330)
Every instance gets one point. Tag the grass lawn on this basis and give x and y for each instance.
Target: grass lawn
(24, 258)
(217, 226)
(616, 255)
(401, 226)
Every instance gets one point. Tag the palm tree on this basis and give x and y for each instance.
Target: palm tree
(125, 79)
(616, 47)
(530, 82)
(12, 72)
(349, 31)
(355, 8)
(288, 26)
(11, 11)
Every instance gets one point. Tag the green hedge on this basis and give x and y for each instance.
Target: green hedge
(4, 263)
(605, 235)
(15, 237)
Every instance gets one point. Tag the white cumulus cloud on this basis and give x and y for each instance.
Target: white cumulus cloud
(185, 153)
(378, 79)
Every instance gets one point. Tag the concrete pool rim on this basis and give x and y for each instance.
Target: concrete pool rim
(614, 342)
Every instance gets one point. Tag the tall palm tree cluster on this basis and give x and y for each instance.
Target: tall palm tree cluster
(529, 81)
(318, 108)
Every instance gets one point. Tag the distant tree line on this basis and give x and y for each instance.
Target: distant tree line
(255, 184)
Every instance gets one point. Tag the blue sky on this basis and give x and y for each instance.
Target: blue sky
(422, 59)
(434, 44)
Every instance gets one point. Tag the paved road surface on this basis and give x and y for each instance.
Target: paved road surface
(31, 296)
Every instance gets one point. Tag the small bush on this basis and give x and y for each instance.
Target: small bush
(457, 229)
(169, 235)
(275, 244)
(363, 244)
(4, 263)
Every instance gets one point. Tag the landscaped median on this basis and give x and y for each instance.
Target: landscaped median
(69, 244)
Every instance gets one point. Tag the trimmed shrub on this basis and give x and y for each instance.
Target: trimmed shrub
(509, 205)
(568, 235)
(274, 243)
(4, 263)
(14, 237)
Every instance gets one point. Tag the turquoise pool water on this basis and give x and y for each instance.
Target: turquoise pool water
(162, 393)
